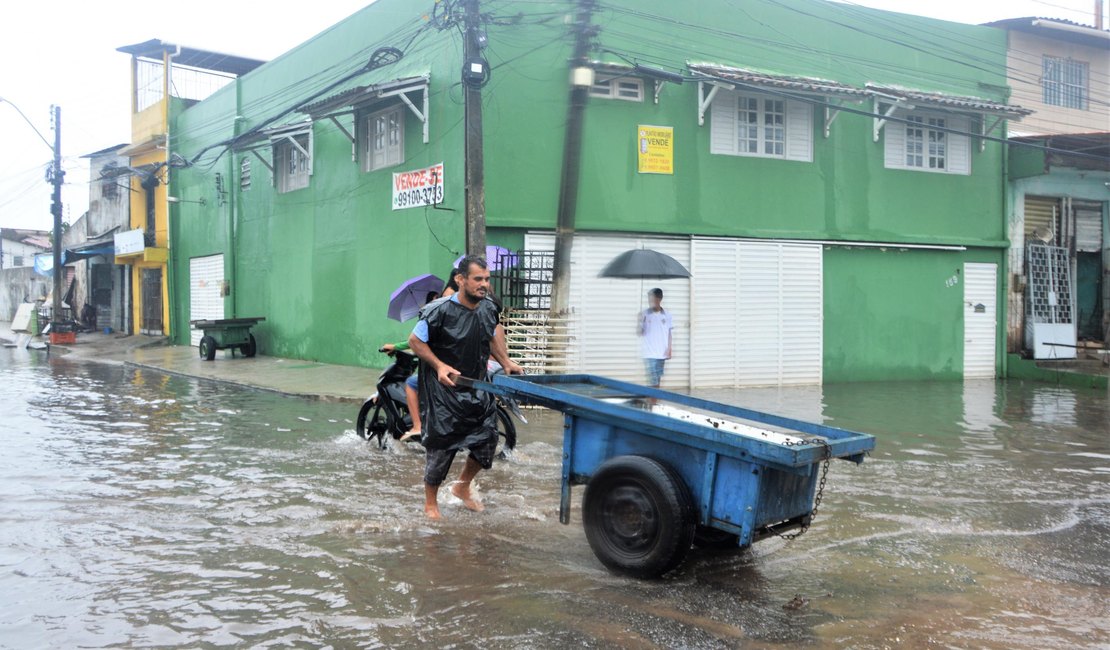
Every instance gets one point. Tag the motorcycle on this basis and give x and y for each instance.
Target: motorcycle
(386, 411)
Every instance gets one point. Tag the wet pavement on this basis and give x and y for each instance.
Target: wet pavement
(139, 508)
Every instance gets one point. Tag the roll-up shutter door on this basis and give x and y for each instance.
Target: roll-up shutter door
(1088, 226)
(206, 276)
(714, 311)
(1041, 212)
(604, 330)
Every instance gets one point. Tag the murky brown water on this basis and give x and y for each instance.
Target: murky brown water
(143, 510)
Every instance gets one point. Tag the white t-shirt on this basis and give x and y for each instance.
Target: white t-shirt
(655, 333)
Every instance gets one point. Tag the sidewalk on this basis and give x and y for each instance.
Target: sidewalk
(293, 377)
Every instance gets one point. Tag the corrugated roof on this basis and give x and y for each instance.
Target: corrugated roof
(953, 102)
(784, 82)
(1058, 29)
(360, 94)
(193, 57)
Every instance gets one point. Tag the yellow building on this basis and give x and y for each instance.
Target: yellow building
(165, 79)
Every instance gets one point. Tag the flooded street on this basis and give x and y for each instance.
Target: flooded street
(139, 509)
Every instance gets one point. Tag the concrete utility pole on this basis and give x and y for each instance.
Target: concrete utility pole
(475, 74)
(57, 177)
(581, 78)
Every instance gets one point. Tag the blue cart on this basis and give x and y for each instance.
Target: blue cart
(665, 471)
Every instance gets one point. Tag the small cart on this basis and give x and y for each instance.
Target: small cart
(665, 471)
(227, 334)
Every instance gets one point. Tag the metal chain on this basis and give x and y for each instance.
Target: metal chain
(820, 487)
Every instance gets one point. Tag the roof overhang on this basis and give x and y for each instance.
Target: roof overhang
(755, 79)
(352, 99)
(945, 102)
(192, 57)
(1054, 28)
(147, 146)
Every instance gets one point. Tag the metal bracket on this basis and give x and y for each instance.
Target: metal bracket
(880, 122)
(420, 115)
(262, 160)
(831, 113)
(350, 136)
(658, 89)
(987, 131)
(704, 100)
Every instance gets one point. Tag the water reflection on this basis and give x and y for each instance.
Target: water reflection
(142, 509)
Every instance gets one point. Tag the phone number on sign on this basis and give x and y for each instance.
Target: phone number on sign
(421, 196)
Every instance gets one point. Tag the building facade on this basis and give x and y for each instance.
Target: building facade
(835, 186)
(1059, 180)
(166, 78)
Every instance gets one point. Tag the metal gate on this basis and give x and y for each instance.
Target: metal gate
(1049, 313)
(152, 302)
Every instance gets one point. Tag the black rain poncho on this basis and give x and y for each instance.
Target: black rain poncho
(458, 418)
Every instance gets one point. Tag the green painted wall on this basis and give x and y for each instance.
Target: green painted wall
(845, 193)
(319, 263)
(896, 314)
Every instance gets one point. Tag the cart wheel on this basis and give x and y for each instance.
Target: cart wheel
(638, 516)
(207, 348)
(250, 348)
(371, 423)
(506, 431)
(711, 538)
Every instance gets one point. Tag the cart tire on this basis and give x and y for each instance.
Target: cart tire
(506, 431)
(638, 516)
(711, 538)
(250, 348)
(207, 348)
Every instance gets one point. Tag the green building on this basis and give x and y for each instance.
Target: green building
(821, 171)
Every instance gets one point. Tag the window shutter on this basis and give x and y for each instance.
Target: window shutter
(722, 123)
(959, 153)
(395, 151)
(894, 143)
(799, 131)
(378, 156)
(275, 161)
(309, 146)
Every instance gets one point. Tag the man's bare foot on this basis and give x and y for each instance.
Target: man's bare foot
(431, 511)
(409, 435)
(462, 491)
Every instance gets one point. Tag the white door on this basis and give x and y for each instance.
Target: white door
(980, 319)
(757, 313)
(605, 309)
(206, 277)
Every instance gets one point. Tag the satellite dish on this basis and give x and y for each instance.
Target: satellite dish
(1043, 234)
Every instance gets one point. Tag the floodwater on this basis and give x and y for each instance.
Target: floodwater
(143, 510)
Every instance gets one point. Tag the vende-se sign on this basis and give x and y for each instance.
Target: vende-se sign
(130, 241)
(420, 187)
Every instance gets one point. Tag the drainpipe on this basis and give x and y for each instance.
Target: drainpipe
(170, 275)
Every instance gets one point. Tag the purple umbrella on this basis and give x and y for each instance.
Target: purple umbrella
(497, 257)
(409, 298)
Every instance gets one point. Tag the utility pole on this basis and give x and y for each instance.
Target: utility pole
(581, 78)
(57, 177)
(474, 76)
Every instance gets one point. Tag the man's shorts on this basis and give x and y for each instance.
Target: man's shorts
(413, 382)
(438, 461)
(654, 371)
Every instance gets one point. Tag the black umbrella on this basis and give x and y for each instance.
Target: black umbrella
(644, 264)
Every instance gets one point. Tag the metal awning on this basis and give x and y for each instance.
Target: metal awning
(353, 99)
(192, 57)
(943, 101)
(722, 76)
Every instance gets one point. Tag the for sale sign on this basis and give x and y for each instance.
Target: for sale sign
(655, 149)
(420, 187)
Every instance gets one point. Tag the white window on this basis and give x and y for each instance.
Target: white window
(1064, 82)
(17, 260)
(385, 139)
(926, 142)
(765, 126)
(626, 88)
(292, 161)
(244, 173)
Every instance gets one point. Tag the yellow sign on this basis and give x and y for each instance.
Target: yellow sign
(655, 149)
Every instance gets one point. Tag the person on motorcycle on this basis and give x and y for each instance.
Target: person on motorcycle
(412, 397)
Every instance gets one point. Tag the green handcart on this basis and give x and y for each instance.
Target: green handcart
(227, 334)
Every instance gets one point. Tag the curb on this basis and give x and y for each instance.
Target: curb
(318, 397)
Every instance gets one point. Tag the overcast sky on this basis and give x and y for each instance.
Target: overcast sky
(64, 52)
